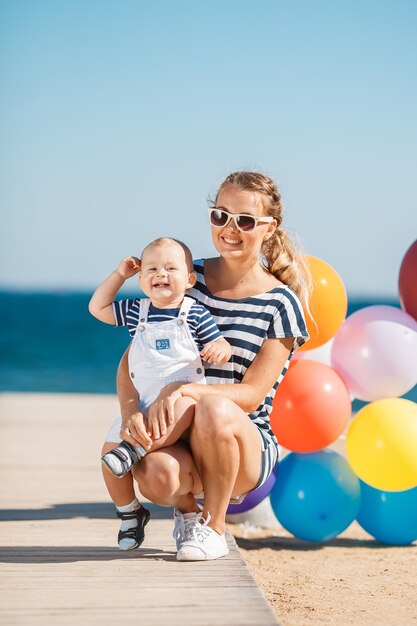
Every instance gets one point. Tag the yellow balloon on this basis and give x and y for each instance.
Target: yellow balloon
(381, 444)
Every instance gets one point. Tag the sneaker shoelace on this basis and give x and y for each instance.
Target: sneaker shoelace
(191, 528)
(183, 527)
(200, 531)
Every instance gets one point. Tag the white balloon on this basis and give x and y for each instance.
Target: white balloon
(322, 354)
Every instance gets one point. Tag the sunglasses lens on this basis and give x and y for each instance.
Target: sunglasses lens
(246, 222)
(218, 218)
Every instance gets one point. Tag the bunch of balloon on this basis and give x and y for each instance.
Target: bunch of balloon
(375, 354)
(381, 447)
(316, 494)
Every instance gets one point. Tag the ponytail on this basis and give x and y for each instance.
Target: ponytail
(288, 264)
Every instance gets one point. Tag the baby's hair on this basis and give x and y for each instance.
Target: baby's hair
(161, 241)
(281, 256)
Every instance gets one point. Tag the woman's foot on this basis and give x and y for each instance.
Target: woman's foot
(184, 523)
(132, 529)
(204, 544)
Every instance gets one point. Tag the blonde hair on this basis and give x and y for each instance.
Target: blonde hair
(281, 255)
(162, 241)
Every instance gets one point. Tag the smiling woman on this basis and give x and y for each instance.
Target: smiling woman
(228, 448)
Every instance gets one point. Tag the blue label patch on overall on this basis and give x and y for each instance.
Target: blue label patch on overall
(162, 344)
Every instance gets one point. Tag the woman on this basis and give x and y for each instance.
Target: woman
(257, 306)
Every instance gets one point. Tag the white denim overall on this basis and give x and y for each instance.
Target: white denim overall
(161, 353)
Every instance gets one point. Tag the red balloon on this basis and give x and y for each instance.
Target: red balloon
(311, 407)
(407, 281)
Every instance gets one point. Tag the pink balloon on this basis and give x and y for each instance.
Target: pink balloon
(375, 353)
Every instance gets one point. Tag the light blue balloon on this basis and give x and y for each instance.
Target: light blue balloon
(316, 496)
(389, 516)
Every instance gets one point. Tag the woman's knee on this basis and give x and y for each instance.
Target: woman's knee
(158, 477)
(214, 416)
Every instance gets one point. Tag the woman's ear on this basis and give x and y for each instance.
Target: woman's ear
(272, 226)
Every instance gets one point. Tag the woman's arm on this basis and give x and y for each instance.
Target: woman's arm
(260, 377)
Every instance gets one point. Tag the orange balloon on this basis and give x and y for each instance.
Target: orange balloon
(311, 407)
(328, 304)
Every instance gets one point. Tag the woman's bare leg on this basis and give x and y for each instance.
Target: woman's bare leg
(227, 450)
(226, 453)
(169, 477)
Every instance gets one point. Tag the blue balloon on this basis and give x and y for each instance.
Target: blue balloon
(316, 496)
(389, 516)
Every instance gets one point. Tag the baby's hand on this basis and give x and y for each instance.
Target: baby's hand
(217, 352)
(129, 267)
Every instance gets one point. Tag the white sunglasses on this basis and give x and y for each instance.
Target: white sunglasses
(219, 218)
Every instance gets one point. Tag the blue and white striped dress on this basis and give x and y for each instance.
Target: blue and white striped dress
(246, 323)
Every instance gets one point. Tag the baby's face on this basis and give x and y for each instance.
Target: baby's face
(164, 275)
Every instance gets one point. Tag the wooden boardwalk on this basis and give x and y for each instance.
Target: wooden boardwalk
(58, 563)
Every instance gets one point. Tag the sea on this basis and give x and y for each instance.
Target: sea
(49, 342)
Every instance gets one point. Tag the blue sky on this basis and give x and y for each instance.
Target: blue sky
(119, 117)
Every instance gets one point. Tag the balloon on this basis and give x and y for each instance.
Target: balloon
(375, 352)
(328, 304)
(389, 516)
(322, 354)
(407, 281)
(311, 407)
(254, 497)
(316, 496)
(381, 444)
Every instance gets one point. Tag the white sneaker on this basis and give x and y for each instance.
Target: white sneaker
(183, 530)
(205, 544)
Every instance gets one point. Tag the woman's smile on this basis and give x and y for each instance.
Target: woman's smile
(231, 242)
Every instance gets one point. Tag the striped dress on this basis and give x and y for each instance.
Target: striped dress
(246, 323)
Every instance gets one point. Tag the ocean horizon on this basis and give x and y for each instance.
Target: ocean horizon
(49, 342)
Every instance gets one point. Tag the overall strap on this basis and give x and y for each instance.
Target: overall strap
(186, 305)
(144, 304)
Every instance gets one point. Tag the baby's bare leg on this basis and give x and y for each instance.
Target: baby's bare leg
(184, 415)
(120, 490)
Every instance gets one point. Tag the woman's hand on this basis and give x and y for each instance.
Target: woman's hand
(217, 352)
(128, 267)
(134, 431)
(161, 412)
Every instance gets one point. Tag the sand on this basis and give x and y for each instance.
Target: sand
(350, 580)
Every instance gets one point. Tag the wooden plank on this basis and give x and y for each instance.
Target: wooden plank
(58, 561)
